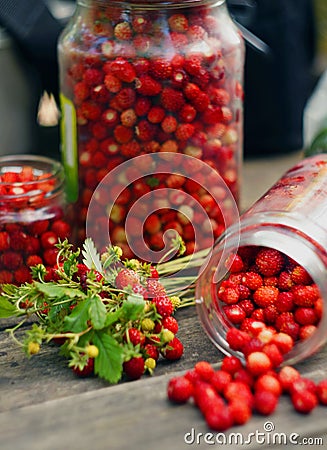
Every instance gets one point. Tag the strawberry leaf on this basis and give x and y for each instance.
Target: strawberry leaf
(53, 290)
(109, 363)
(77, 320)
(7, 309)
(91, 256)
(98, 312)
(133, 306)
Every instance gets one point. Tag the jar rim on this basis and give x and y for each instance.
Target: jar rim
(52, 170)
(142, 4)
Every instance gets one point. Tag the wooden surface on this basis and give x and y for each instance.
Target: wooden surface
(43, 406)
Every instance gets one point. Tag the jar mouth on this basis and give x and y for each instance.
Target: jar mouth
(296, 247)
(142, 4)
(45, 172)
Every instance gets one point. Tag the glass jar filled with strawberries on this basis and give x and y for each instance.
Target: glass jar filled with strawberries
(152, 78)
(264, 287)
(32, 215)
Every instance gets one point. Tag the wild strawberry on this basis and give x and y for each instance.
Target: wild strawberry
(4, 240)
(172, 99)
(305, 316)
(123, 31)
(231, 364)
(252, 280)
(145, 131)
(273, 353)
(123, 134)
(156, 114)
(301, 385)
(134, 367)
(164, 306)
(142, 106)
(237, 339)
(322, 392)
(284, 302)
(240, 411)
(287, 375)
(134, 336)
(270, 314)
(179, 389)
(252, 327)
(170, 323)
(174, 350)
(268, 383)
(300, 276)
(22, 275)
(147, 85)
(205, 396)
(125, 97)
(265, 402)
(6, 277)
(178, 22)
(219, 418)
(285, 281)
(61, 228)
(204, 369)
(92, 76)
(269, 261)
(155, 288)
(125, 278)
(184, 131)
(11, 260)
(160, 68)
(85, 371)
(283, 341)
(220, 379)
(306, 331)
(187, 113)
(237, 390)
(265, 296)
(123, 70)
(228, 293)
(151, 351)
(257, 315)
(246, 305)
(33, 260)
(305, 295)
(304, 401)
(234, 313)
(169, 124)
(112, 83)
(258, 363)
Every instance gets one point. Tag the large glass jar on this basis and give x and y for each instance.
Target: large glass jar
(152, 78)
(33, 215)
(271, 267)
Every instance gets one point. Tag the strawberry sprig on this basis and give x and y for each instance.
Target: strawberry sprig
(111, 317)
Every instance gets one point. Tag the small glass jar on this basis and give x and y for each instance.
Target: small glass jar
(139, 78)
(291, 218)
(33, 215)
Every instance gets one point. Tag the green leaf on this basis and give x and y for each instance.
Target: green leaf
(53, 290)
(112, 317)
(98, 312)
(77, 320)
(133, 307)
(109, 363)
(7, 309)
(91, 256)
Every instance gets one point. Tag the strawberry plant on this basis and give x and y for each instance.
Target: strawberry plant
(108, 315)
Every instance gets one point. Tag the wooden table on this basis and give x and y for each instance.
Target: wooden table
(44, 406)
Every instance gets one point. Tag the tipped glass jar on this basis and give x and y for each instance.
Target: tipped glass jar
(139, 78)
(33, 215)
(269, 271)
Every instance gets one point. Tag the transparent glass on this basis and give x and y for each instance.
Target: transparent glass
(148, 77)
(33, 214)
(292, 218)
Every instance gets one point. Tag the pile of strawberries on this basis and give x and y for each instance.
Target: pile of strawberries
(269, 303)
(32, 219)
(142, 84)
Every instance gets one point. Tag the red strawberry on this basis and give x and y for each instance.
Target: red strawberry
(123, 70)
(134, 367)
(179, 389)
(178, 22)
(160, 68)
(86, 371)
(269, 261)
(304, 401)
(265, 402)
(172, 99)
(123, 31)
(147, 85)
(164, 306)
(125, 278)
(174, 350)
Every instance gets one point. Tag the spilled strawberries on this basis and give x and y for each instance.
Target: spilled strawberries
(271, 304)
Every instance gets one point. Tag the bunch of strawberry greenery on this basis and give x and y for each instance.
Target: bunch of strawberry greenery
(111, 318)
